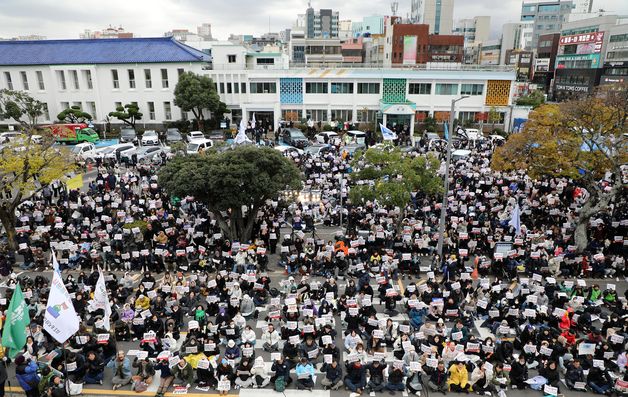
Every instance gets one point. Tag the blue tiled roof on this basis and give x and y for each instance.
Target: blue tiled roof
(98, 51)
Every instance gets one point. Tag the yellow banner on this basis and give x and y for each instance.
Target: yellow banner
(76, 182)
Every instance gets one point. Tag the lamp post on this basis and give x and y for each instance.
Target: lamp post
(443, 208)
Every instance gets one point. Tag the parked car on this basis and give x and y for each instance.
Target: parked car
(195, 135)
(356, 136)
(9, 136)
(173, 135)
(143, 152)
(150, 138)
(353, 147)
(289, 151)
(331, 135)
(128, 135)
(471, 134)
(81, 148)
(318, 149)
(96, 153)
(199, 145)
(294, 137)
(118, 150)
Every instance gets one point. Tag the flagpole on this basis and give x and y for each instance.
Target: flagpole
(6, 369)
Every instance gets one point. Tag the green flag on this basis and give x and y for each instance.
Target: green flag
(17, 319)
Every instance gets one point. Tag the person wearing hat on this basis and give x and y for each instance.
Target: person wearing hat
(26, 374)
(233, 352)
(259, 374)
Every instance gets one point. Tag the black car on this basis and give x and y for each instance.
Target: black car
(128, 135)
(173, 135)
(294, 137)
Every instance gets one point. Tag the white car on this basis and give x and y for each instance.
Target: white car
(80, 149)
(472, 134)
(116, 151)
(289, 151)
(150, 138)
(96, 153)
(9, 136)
(356, 136)
(197, 146)
(192, 135)
(320, 137)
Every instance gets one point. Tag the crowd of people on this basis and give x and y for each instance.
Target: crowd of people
(372, 309)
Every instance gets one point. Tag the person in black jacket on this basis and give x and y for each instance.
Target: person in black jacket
(550, 372)
(355, 380)
(333, 376)
(281, 368)
(376, 376)
(438, 379)
(94, 369)
(519, 373)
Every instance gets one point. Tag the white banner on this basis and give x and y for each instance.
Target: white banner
(101, 301)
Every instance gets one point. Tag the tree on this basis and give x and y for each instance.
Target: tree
(535, 99)
(195, 93)
(494, 117)
(74, 115)
(129, 114)
(234, 184)
(583, 140)
(26, 167)
(430, 124)
(388, 176)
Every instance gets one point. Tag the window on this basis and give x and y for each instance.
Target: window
(368, 88)
(291, 115)
(419, 88)
(243, 88)
(151, 110)
(117, 105)
(342, 88)
(316, 114)
(75, 79)
(472, 89)
(168, 110)
(65, 105)
(446, 89)
(45, 111)
(184, 115)
(236, 88)
(179, 72)
(147, 78)
(131, 78)
(91, 106)
(40, 80)
(316, 88)
(342, 115)
(265, 61)
(228, 88)
(618, 38)
(263, 88)
(7, 77)
(114, 76)
(231, 58)
(222, 88)
(61, 78)
(164, 78)
(24, 80)
(88, 79)
(366, 116)
(80, 106)
(467, 116)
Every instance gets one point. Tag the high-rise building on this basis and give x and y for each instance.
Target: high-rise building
(344, 30)
(439, 14)
(411, 44)
(108, 33)
(205, 31)
(515, 36)
(370, 25)
(475, 30)
(545, 16)
(321, 24)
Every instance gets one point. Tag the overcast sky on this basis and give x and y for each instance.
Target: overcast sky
(149, 18)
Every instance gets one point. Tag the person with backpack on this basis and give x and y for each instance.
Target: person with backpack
(282, 378)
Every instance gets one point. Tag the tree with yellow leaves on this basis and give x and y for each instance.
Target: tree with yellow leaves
(26, 166)
(585, 140)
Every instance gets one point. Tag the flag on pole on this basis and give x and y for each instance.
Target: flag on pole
(101, 300)
(253, 122)
(387, 133)
(241, 137)
(17, 320)
(446, 132)
(60, 320)
(55, 264)
(515, 219)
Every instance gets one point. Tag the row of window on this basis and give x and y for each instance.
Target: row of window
(8, 79)
(148, 78)
(362, 88)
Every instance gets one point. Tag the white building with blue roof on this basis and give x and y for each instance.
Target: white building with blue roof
(98, 75)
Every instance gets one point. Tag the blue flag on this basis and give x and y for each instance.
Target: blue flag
(446, 131)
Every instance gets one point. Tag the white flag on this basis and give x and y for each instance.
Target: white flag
(55, 264)
(253, 121)
(101, 301)
(60, 320)
(241, 137)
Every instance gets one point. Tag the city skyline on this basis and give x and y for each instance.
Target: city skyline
(57, 20)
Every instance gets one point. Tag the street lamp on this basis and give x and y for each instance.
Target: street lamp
(443, 208)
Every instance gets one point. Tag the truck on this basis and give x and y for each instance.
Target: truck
(72, 133)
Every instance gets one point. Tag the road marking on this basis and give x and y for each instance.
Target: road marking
(87, 392)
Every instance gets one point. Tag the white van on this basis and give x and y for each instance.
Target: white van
(199, 145)
(473, 134)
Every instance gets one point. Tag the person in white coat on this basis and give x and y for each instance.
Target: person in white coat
(270, 339)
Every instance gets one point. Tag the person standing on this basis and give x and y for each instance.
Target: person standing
(26, 374)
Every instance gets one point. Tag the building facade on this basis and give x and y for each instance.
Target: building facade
(616, 58)
(545, 16)
(99, 75)
(475, 31)
(323, 23)
(371, 25)
(439, 15)
(546, 50)
(411, 44)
